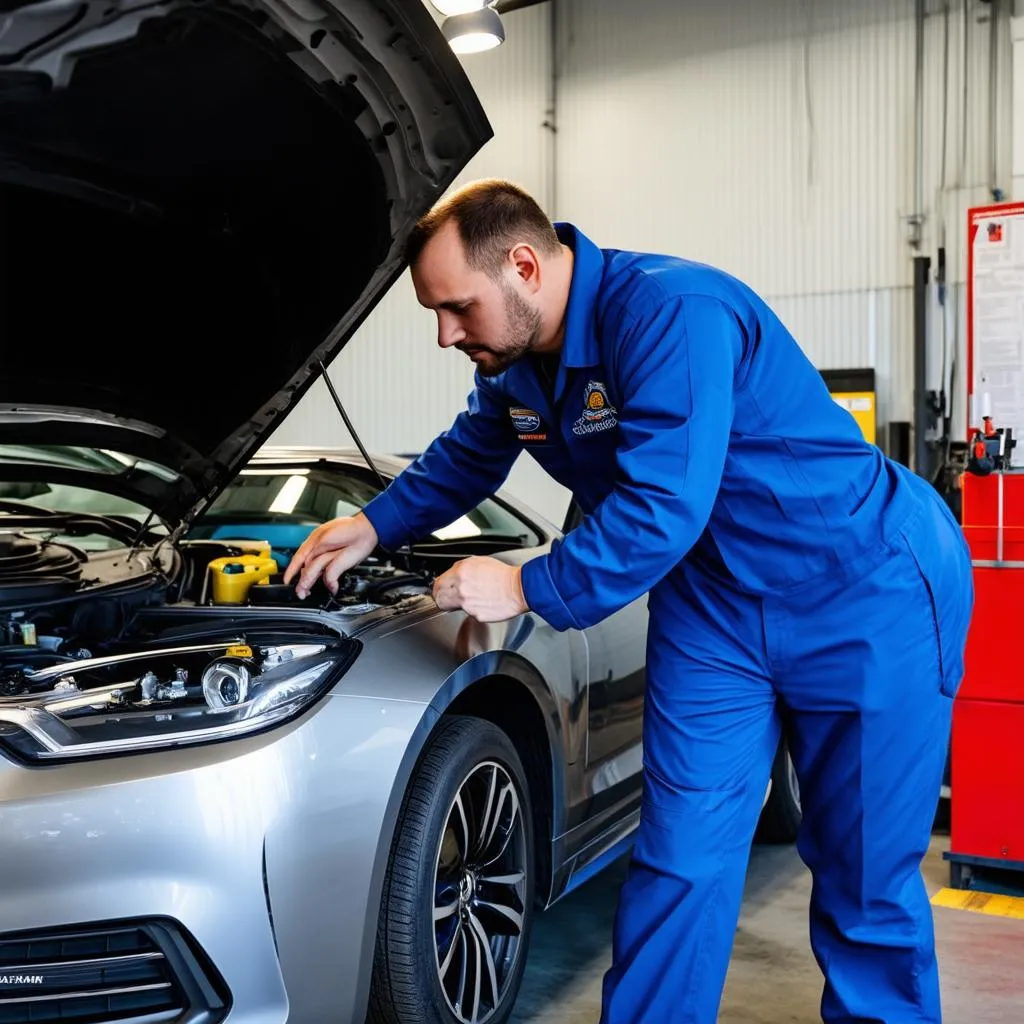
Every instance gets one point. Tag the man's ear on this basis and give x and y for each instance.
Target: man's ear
(527, 265)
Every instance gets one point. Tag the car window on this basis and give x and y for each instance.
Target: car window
(573, 517)
(296, 495)
(67, 498)
(90, 460)
(40, 493)
(54, 497)
(313, 495)
(488, 519)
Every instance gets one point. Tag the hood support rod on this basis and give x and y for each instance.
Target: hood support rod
(348, 424)
(355, 437)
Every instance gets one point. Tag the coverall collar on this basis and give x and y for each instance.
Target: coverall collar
(580, 342)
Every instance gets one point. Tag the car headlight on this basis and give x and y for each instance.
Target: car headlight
(185, 696)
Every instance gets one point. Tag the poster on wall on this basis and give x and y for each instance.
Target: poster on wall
(995, 315)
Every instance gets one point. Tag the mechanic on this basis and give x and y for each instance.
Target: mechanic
(797, 579)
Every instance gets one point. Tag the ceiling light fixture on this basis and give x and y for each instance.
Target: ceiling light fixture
(475, 31)
(453, 7)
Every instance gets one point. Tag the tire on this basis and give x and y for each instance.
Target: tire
(943, 821)
(468, 759)
(782, 814)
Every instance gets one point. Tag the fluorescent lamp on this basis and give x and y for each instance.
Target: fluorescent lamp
(475, 32)
(288, 497)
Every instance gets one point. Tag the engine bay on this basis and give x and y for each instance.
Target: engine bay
(124, 647)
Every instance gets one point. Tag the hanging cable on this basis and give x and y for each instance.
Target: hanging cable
(965, 79)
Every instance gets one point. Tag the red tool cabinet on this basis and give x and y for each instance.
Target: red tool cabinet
(987, 777)
(987, 769)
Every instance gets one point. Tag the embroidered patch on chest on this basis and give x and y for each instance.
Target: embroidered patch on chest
(527, 424)
(598, 412)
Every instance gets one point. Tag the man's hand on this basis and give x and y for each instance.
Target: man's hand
(331, 549)
(486, 589)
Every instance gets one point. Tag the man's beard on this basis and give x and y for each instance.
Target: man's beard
(522, 332)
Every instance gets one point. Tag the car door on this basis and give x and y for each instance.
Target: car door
(615, 704)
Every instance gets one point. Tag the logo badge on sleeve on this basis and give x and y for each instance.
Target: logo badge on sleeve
(527, 424)
(598, 412)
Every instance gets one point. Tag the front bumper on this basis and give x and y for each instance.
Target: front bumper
(268, 852)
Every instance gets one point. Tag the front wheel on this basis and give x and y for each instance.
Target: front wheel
(457, 904)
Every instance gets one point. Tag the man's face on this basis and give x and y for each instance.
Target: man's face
(492, 321)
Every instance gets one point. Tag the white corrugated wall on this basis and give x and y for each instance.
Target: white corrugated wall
(776, 139)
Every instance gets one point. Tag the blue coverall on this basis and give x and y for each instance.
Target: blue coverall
(796, 576)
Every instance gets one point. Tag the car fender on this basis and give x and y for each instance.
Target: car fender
(469, 645)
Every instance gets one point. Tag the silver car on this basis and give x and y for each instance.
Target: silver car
(218, 803)
(384, 830)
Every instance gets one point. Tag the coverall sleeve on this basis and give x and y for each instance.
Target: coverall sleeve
(676, 366)
(459, 469)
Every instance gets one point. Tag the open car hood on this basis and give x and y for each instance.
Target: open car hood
(199, 203)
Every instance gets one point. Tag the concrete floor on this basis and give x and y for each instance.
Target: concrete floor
(773, 978)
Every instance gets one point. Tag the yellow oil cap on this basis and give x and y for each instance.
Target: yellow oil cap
(232, 577)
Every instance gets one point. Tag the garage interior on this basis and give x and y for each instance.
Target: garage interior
(850, 160)
(828, 153)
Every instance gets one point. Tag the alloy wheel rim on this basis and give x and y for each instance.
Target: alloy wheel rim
(480, 893)
(793, 779)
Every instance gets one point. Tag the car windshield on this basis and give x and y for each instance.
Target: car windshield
(299, 495)
(35, 489)
(86, 460)
(24, 498)
(281, 505)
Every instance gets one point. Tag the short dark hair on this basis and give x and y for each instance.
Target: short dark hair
(492, 216)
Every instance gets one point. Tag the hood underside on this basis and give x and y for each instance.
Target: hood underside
(199, 202)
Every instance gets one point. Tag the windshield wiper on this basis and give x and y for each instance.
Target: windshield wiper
(18, 507)
(137, 539)
(33, 517)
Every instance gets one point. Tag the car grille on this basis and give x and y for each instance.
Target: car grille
(133, 973)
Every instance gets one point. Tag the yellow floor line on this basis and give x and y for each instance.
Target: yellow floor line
(980, 902)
